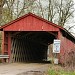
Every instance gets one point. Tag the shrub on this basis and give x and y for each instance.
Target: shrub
(68, 59)
(60, 72)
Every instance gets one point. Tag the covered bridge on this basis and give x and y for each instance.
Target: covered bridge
(28, 37)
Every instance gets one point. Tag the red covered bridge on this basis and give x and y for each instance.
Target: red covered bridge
(28, 37)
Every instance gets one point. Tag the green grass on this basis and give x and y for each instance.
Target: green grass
(59, 71)
(53, 72)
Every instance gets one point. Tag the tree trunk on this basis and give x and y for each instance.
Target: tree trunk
(2, 2)
(0, 11)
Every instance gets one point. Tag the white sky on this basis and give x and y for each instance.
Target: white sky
(72, 30)
(74, 15)
(74, 8)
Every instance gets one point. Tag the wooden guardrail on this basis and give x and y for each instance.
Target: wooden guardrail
(4, 56)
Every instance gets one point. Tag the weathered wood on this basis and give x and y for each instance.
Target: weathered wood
(4, 56)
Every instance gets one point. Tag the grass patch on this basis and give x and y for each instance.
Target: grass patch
(57, 70)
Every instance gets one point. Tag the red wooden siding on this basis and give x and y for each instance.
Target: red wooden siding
(3, 42)
(9, 45)
(66, 46)
(30, 23)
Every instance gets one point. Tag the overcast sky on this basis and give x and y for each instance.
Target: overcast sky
(73, 23)
(74, 14)
(74, 7)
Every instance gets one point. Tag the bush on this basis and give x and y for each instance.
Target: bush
(68, 59)
(60, 72)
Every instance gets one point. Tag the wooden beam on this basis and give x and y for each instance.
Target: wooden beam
(3, 42)
(52, 33)
(38, 42)
(25, 35)
(15, 33)
(9, 46)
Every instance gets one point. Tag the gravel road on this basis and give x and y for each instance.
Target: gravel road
(23, 69)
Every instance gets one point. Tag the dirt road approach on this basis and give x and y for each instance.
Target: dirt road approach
(20, 68)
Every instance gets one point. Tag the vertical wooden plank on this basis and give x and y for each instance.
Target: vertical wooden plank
(59, 35)
(3, 42)
(9, 47)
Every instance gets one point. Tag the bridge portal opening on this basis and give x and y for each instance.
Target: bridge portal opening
(30, 46)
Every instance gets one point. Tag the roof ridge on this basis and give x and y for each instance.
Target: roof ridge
(38, 17)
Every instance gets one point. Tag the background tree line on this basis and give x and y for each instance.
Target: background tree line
(56, 11)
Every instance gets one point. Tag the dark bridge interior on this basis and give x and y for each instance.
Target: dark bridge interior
(30, 46)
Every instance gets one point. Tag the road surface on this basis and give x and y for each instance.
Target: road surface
(23, 68)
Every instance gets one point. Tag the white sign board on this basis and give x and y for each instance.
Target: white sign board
(56, 46)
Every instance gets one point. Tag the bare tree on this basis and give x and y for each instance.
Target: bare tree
(15, 8)
(7, 14)
(57, 11)
(51, 10)
(65, 11)
(2, 2)
(41, 8)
